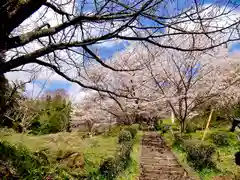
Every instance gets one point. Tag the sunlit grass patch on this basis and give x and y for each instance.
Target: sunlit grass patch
(94, 150)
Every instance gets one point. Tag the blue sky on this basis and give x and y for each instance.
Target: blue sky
(234, 48)
(106, 52)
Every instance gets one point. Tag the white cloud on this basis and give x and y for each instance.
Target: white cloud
(34, 90)
(76, 93)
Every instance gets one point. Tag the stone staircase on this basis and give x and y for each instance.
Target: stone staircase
(158, 162)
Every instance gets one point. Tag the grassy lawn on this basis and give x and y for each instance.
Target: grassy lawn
(223, 158)
(133, 171)
(94, 149)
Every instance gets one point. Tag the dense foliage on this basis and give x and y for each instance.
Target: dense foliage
(132, 130)
(52, 114)
(114, 165)
(124, 136)
(19, 163)
(222, 138)
(200, 154)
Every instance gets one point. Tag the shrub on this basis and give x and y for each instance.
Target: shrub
(112, 166)
(199, 154)
(191, 128)
(20, 163)
(124, 136)
(132, 130)
(178, 140)
(222, 138)
(125, 151)
(109, 168)
(52, 114)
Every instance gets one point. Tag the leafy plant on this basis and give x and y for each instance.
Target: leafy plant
(124, 136)
(113, 165)
(200, 154)
(132, 130)
(20, 163)
(53, 115)
(108, 168)
(178, 140)
(222, 138)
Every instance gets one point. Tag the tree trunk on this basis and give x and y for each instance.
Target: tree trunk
(182, 130)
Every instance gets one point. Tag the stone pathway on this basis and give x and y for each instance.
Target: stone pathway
(158, 162)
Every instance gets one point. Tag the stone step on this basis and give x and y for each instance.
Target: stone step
(161, 164)
(156, 164)
(149, 157)
(157, 161)
(164, 177)
(161, 170)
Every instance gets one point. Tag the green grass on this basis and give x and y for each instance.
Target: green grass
(94, 149)
(133, 171)
(167, 121)
(223, 158)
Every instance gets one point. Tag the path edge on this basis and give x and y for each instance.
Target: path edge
(185, 166)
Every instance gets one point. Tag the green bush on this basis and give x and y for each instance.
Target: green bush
(132, 130)
(112, 166)
(19, 163)
(191, 128)
(125, 151)
(178, 140)
(51, 114)
(199, 154)
(124, 136)
(108, 168)
(222, 138)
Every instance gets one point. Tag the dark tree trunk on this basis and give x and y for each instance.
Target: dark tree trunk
(12, 13)
(182, 122)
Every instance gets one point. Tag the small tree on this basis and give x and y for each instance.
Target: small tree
(53, 114)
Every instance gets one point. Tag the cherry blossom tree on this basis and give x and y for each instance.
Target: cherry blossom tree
(168, 80)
